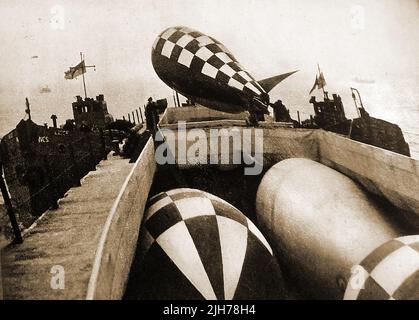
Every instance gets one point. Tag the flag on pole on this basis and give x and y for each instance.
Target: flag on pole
(75, 71)
(314, 85)
(320, 82)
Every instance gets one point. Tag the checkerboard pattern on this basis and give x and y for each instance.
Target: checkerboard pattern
(194, 245)
(203, 54)
(390, 272)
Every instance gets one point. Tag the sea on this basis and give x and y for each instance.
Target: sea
(402, 108)
(405, 115)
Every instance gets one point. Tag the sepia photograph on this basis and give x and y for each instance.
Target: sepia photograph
(179, 151)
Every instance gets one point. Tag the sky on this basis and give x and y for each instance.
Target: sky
(350, 39)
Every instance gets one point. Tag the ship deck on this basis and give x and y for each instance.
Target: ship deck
(74, 237)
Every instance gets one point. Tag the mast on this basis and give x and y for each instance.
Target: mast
(28, 109)
(324, 93)
(83, 72)
(177, 98)
(174, 99)
(84, 69)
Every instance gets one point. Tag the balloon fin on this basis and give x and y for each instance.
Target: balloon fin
(269, 83)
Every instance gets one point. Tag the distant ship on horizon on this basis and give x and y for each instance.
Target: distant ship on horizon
(360, 80)
(45, 89)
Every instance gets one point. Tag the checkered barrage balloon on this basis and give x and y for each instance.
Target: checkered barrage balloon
(194, 245)
(390, 272)
(203, 54)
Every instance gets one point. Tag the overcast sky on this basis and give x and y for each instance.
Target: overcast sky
(364, 39)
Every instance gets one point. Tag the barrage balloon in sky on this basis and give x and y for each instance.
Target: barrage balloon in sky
(205, 71)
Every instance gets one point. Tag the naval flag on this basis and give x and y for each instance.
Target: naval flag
(75, 71)
(320, 82)
(315, 84)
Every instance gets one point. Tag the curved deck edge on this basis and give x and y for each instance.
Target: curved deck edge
(118, 240)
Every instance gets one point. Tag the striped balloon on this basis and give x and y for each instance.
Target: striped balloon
(194, 245)
(206, 56)
(390, 272)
